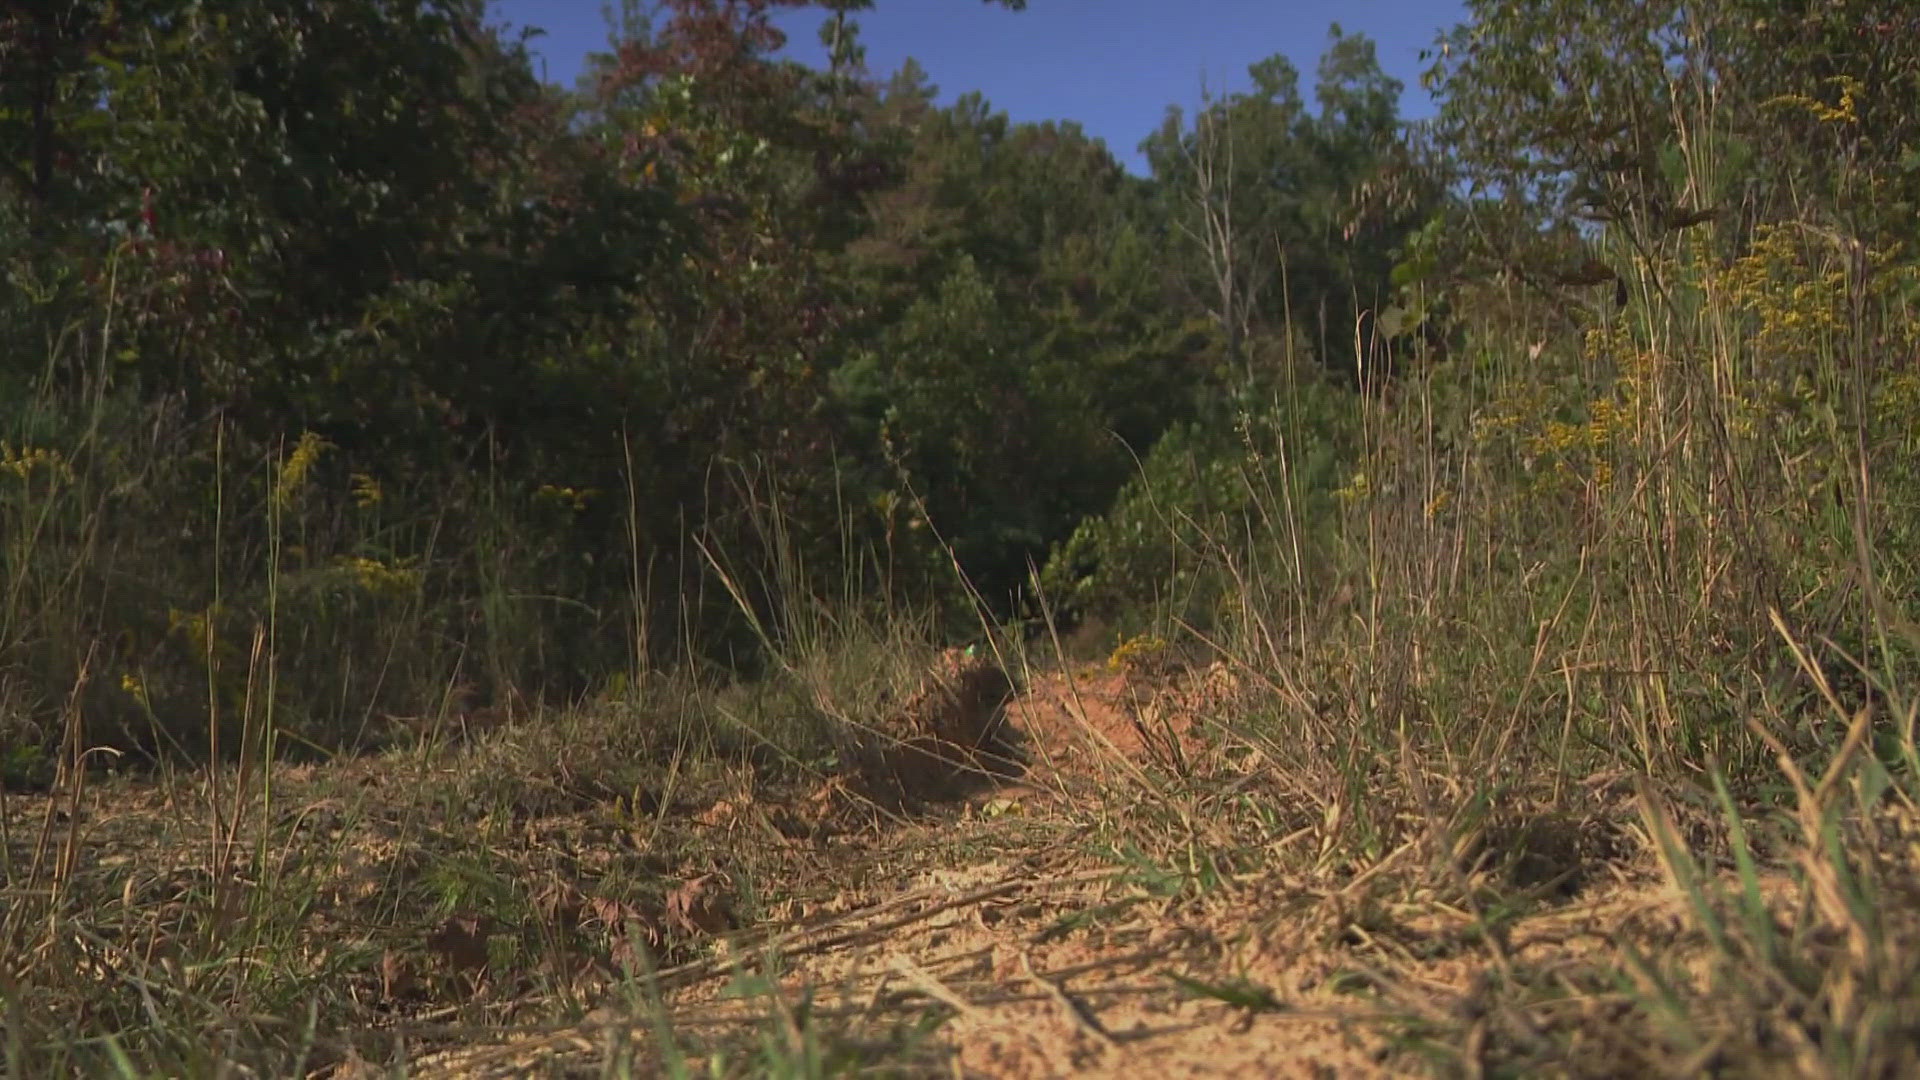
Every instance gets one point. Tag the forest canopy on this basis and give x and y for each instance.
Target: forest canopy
(336, 312)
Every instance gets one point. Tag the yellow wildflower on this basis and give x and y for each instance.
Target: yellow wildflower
(24, 461)
(574, 499)
(380, 579)
(366, 491)
(293, 471)
(1131, 652)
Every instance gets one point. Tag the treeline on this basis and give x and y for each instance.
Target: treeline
(349, 369)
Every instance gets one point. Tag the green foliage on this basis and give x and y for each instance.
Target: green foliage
(1287, 223)
(1649, 119)
(439, 373)
(451, 385)
(1018, 344)
(1242, 485)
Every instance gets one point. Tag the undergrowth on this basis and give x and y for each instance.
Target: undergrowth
(1630, 581)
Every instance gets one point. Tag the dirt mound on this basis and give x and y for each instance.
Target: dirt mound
(948, 739)
(968, 731)
(1084, 723)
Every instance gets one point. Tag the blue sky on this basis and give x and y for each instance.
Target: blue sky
(1112, 65)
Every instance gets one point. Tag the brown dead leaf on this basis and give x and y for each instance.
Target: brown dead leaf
(461, 941)
(396, 977)
(699, 906)
(720, 813)
(632, 934)
(617, 916)
(560, 903)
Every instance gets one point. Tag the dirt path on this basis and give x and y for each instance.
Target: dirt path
(1124, 902)
(1024, 950)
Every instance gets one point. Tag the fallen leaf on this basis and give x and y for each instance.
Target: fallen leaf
(396, 981)
(462, 941)
(699, 907)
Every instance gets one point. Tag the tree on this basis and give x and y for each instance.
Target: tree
(1260, 189)
(1647, 119)
(1013, 345)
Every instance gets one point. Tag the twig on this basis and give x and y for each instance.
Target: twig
(1081, 1016)
(927, 984)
